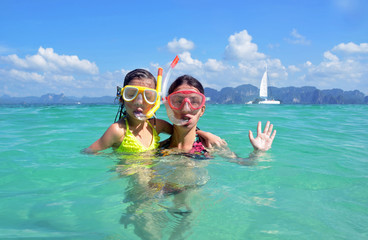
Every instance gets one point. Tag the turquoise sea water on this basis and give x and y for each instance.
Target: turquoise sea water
(312, 184)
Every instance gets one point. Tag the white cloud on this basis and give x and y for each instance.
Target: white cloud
(248, 69)
(46, 60)
(41, 73)
(214, 65)
(329, 56)
(25, 76)
(345, 72)
(334, 71)
(297, 38)
(49, 72)
(293, 68)
(330, 71)
(179, 46)
(351, 48)
(187, 62)
(36, 84)
(241, 47)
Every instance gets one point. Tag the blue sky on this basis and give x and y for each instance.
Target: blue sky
(85, 48)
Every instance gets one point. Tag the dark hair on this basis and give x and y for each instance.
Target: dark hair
(186, 79)
(140, 74)
(135, 74)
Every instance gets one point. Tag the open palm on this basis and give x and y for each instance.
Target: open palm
(263, 141)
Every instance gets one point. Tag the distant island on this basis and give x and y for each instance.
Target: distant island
(228, 95)
(287, 95)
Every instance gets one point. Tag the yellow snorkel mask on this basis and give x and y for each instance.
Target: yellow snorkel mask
(151, 96)
(131, 92)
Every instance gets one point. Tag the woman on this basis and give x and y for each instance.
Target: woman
(186, 104)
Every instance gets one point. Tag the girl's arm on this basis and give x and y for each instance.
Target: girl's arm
(209, 140)
(111, 137)
(162, 126)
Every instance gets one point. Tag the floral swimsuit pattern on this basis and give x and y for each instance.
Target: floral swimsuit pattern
(198, 151)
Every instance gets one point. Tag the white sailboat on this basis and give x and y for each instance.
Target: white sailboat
(263, 93)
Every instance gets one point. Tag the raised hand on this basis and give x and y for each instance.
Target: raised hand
(264, 139)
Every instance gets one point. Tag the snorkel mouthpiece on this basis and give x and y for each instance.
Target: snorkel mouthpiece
(140, 116)
(171, 115)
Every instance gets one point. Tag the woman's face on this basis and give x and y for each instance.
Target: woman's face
(138, 106)
(191, 116)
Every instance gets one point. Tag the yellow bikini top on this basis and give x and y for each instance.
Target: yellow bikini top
(132, 144)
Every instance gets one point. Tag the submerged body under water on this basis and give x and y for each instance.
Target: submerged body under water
(312, 184)
(159, 193)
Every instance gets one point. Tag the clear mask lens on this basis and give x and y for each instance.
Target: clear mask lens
(177, 100)
(131, 93)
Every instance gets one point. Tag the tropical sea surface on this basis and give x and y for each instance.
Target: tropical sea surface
(312, 184)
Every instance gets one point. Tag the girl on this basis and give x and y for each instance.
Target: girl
(131, 133)
(187, 104)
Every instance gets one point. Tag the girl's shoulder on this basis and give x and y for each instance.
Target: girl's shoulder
(117, 129)
(120, 124)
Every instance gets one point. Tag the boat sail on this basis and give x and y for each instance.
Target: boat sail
(263, 88)
(263, 93)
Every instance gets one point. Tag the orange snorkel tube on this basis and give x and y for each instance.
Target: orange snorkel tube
(166, 80)
(158, 89)
(161, 91)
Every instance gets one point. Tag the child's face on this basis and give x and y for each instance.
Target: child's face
(139, 106)
(191, 116)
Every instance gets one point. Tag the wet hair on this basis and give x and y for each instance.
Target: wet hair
(135, 74)
(139, 74)
(186, 79)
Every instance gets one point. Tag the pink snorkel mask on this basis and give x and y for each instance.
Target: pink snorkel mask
(178, 99)
(183, 102)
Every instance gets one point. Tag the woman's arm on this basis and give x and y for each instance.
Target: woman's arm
(210, 140)
(261, 144)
